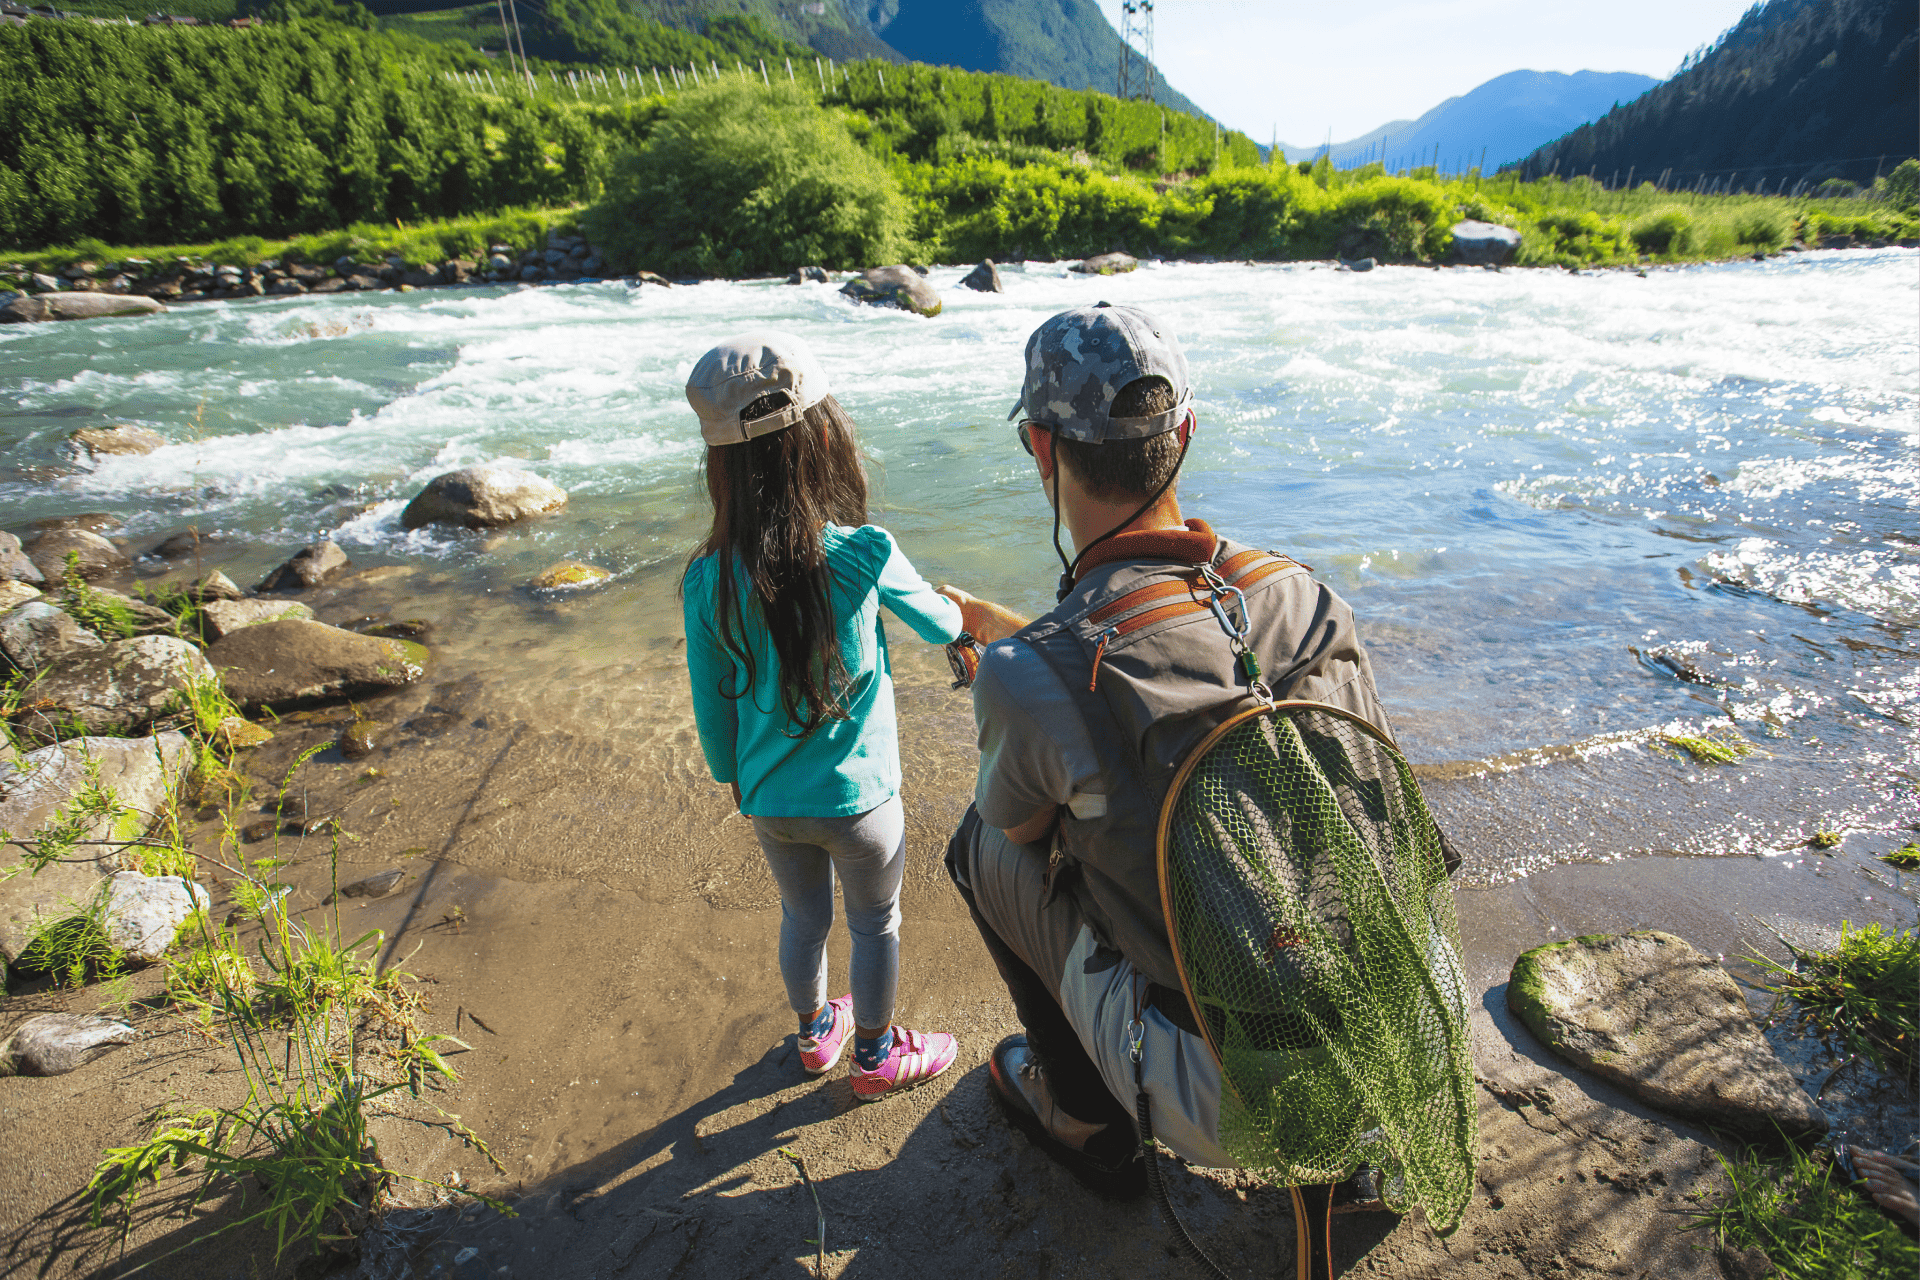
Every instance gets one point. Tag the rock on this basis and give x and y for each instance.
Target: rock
(312, 566)
(145, 912)
(327, 286)
(500, 262)
(215, 586)
(1108, 264)
(1649, 1013)
(15, 593)
(99, 558)
(1484, 244)
(570, 575)
(286, 288)
(285, 664)
(101, 442)
(375, 886)
(37, 634)
(453, 273)
(76, 306)
(900, 287)
(141, 773)
(404, 629)
(91, 521)
(358, 740)
(118, 690)
(1357, 264)
(532, 274)
(56, 1043)
(224, 617)
(364, 283)
(236, 734)
(138, 616)
(808, 275)
(43, 283)
(648, 277)
(984, 278)
(482, 497)
(16, 565)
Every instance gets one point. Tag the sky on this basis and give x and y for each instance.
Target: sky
(1354, 65)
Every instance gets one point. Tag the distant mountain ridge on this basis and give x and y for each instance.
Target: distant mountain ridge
(1068, 43)
(1796, 91)
(1505, 118)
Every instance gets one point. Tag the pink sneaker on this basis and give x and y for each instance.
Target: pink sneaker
(916, 1056)
(819, 1056)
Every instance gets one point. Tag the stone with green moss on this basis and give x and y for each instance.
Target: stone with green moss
(1649, 1013)
(570, 575)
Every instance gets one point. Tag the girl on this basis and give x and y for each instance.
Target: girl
(792, 689)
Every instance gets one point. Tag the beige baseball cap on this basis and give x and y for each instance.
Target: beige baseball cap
(740, 370)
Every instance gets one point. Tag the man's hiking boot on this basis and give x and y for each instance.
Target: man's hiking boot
(1104, 1158)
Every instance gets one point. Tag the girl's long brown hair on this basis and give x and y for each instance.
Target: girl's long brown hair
(771, 495)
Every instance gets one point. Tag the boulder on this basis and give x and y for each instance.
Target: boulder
(15, 593)
(142, 773)
(1108, 264)
(311, 566)
(37, 634)
(142, 618)
(1357, 264)
(808, 275)
(482, 497)
(44, 283)
(76, 306)
(1649, 1013)
(224, 617)
(101, 442)
(99, 558)
(215, 586)
(570, 575)
(1484, 244)
(648, 277)
(16, 565)
(285, 664)
(374, 886)
(56, 1043)
(359, 739)
(984, 278)
(118, 690)
(237, 734)
(145, 912)
(901, 287)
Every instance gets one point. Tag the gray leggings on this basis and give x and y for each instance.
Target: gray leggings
(868, 850)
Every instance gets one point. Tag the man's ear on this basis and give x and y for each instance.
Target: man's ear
(1043, 452)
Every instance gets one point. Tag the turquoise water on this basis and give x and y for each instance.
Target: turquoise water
(1517, 478)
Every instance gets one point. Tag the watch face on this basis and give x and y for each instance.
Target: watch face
(963, 656)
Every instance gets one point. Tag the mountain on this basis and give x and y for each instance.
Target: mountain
(1507, 117)
(1069, 43)
(1796, 91)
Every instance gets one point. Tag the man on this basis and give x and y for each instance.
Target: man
(1083, 714)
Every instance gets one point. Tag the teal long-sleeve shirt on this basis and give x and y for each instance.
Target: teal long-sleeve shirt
(844, 766)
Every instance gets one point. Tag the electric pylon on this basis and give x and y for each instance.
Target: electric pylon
(1136, 59)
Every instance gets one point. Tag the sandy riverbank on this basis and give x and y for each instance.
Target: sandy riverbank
(587, 914)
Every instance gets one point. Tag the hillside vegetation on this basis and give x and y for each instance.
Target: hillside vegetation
(357, 141)
(1798, 91)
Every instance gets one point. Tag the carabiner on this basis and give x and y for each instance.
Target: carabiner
(1136, 1040)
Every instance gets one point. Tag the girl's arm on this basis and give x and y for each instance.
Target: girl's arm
(907, 595)
(984, 620)
(708, 665)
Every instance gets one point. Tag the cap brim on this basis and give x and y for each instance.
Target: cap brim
(1017, 406)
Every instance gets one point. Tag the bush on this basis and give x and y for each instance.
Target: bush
(739, 179)
(1396, 219)
(1763, 229)
(1903, 186)
(1668, 231)
(987, 208)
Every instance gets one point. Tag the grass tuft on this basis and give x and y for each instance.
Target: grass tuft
(1906, 857)
(1865, 993)
(1722, 744)
(1799, 1211)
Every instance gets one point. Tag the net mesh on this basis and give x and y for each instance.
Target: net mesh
(1309, 906)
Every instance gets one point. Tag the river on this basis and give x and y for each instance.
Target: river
(1573, 512)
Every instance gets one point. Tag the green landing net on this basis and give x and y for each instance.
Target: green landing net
(1307, 899)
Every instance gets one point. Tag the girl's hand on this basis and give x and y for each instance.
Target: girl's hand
(984, 620)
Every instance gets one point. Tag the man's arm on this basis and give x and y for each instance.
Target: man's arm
(1036, 827)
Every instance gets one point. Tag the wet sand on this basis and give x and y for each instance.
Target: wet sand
(584, 910)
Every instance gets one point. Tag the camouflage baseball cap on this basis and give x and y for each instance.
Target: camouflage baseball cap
(1079, 360)
(741, 370)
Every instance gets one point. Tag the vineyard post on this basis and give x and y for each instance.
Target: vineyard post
(763, 74)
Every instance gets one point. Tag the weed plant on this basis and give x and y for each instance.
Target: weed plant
(1722, 744)
(1798, 1209)
(1906, 857)
(1864, 993)
(97, 612)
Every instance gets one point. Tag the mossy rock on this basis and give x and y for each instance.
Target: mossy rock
(570, 575)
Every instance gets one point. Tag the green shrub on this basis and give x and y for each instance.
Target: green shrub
(987, 208)
(1903, 186)
(1398, 219)
(1665, 231)
(739, 179)
(1762, 229)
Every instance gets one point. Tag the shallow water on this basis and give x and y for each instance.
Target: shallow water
(1519, 479)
